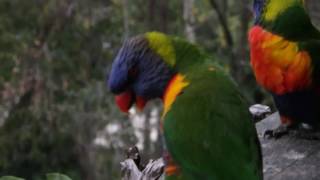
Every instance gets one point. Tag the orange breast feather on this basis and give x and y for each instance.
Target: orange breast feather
(278, 64)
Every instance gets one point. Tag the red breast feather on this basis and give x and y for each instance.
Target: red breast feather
(278, 64)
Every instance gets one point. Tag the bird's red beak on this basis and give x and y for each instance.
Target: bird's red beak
(126, 99)
(140, 103)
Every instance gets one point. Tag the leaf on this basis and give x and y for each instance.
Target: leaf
(10, 178)
(56, 176)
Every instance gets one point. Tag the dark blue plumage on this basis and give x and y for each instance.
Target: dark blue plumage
(300, 105)
(257, 8)
(139, 69)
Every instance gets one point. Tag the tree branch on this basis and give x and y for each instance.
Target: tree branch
(224, 24)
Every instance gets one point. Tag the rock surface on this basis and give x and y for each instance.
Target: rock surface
(288, 158)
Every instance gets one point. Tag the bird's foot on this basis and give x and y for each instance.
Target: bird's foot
(278, 132)
(301, 131)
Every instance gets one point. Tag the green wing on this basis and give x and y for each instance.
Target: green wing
(209, 131)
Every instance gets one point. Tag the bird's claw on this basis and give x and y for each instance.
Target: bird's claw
(276, 133)
(295, 131)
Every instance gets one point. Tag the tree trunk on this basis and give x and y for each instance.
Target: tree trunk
(224, 23)
(152, 13)
(189, 20)
(313, 7)
(85, 154)
(241, 49)
(126, 19)
(164, 15)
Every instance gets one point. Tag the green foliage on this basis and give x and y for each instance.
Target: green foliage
(33, 145)
(10, 178)
(57, 176)
(51, 176)
(52, 72)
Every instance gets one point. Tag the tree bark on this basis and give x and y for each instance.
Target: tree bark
(224, 23)
(126, 18)
(164, 15)
(238, 51)
(189, 20)
(152, 13)
(313, 7)
(241, 49)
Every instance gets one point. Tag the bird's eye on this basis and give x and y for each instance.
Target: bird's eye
(133, 72)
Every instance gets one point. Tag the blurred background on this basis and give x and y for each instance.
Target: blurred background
(56, 114)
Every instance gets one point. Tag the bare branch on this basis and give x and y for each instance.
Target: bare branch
(223, 22)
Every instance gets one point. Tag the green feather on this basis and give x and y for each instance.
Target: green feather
(208, 130)
(289, 19)
(162, 45)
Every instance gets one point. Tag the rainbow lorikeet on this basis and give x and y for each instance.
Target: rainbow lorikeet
(206, 124)
(285, 57)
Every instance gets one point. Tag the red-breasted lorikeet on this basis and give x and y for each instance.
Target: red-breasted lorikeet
(285, 57)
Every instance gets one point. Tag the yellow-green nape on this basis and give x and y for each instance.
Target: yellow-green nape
(162, 45)
(276, 7)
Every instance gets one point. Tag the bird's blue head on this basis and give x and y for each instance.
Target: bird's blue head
(141, 70)
(258, 6)
(271, 10)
